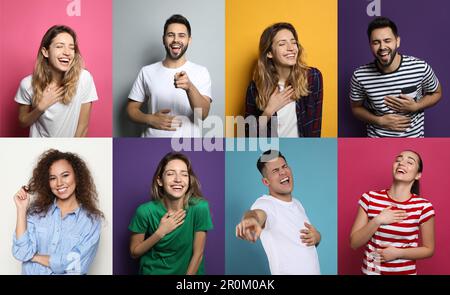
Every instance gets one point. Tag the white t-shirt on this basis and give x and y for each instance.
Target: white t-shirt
(287, 119)
(59, 120)
(280, 238)
(156, 82)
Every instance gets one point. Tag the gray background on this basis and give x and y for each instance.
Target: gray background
(137, 39)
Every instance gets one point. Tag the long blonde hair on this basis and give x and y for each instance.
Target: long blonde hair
(42, 75)
(265, 74)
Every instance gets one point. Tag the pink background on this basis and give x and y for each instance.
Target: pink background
(23, 23)
(366, 164)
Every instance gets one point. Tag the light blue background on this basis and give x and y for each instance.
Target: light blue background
(314, 165)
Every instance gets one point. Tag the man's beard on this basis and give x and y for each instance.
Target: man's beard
(392, 55)
(179, 55)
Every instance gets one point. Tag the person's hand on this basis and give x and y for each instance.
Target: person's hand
(163, 121)
(309, 235)
(389, 216)
(170, 221)
(248, 229)
(51, 95)
(388, 253)
(22, 198)
(181, 80)
(401, 104)
(395, 122)
(278, 100)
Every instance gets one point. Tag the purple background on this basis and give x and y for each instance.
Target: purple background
(135, 161)
(424, 29)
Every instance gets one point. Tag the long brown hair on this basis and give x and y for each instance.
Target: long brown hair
(39, 184)
(42, 75)
(265, 74)
(415, 189)
(193, 191)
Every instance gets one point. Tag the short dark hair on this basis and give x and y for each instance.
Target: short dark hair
(266, 157)
(381, 22)
(177, 19)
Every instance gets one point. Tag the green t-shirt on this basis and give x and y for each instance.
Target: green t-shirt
(172, 254)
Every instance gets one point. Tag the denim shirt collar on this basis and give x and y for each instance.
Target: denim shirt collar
(53, 207)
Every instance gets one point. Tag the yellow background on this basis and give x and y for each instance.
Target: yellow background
(316, 25)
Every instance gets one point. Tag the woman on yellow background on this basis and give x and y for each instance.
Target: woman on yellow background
(285, 95)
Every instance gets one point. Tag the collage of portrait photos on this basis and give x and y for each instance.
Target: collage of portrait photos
(262, 145)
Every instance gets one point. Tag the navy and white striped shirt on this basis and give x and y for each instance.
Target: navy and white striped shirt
(414, 78)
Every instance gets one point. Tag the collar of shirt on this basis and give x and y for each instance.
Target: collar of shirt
(55, 206)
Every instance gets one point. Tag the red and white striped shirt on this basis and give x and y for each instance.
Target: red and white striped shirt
(404, 234)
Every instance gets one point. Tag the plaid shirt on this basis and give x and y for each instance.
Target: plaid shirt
(308, 108)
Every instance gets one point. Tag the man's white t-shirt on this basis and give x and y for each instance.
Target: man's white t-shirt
(59, 120)
(156, 82)
(280, 237)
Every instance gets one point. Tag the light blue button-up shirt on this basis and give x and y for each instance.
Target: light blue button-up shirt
(71, 242)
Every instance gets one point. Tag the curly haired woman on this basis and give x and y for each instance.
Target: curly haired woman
(59, 230)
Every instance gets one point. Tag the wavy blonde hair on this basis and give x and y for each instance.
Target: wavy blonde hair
(265, 74)
(193, 192)
(42, 75)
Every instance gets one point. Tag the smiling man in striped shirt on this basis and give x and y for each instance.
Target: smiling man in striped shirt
(391, 93)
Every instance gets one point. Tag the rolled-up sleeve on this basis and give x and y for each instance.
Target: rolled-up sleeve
(80, 257)
(25, 246)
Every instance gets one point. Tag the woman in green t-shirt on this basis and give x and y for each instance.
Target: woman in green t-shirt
(169, 232)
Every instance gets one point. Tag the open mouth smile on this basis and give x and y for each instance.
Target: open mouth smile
(285, 181)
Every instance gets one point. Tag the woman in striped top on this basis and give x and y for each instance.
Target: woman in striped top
(389, 222)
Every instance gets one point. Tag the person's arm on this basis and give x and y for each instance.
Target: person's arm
(24, 241)
(392, 122)
(29, 114)
(78, 259)
(197, 101)
(159, 120)
(197, 253)
(41, 259)
(83, 120)
(313, 122)
(425, 250)
(259, 127)
(251, 110)
(406, 104)
(363, 229)
(22, 200)
(310, 235)
(139, 245)
(278, 100)
(252, 224)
